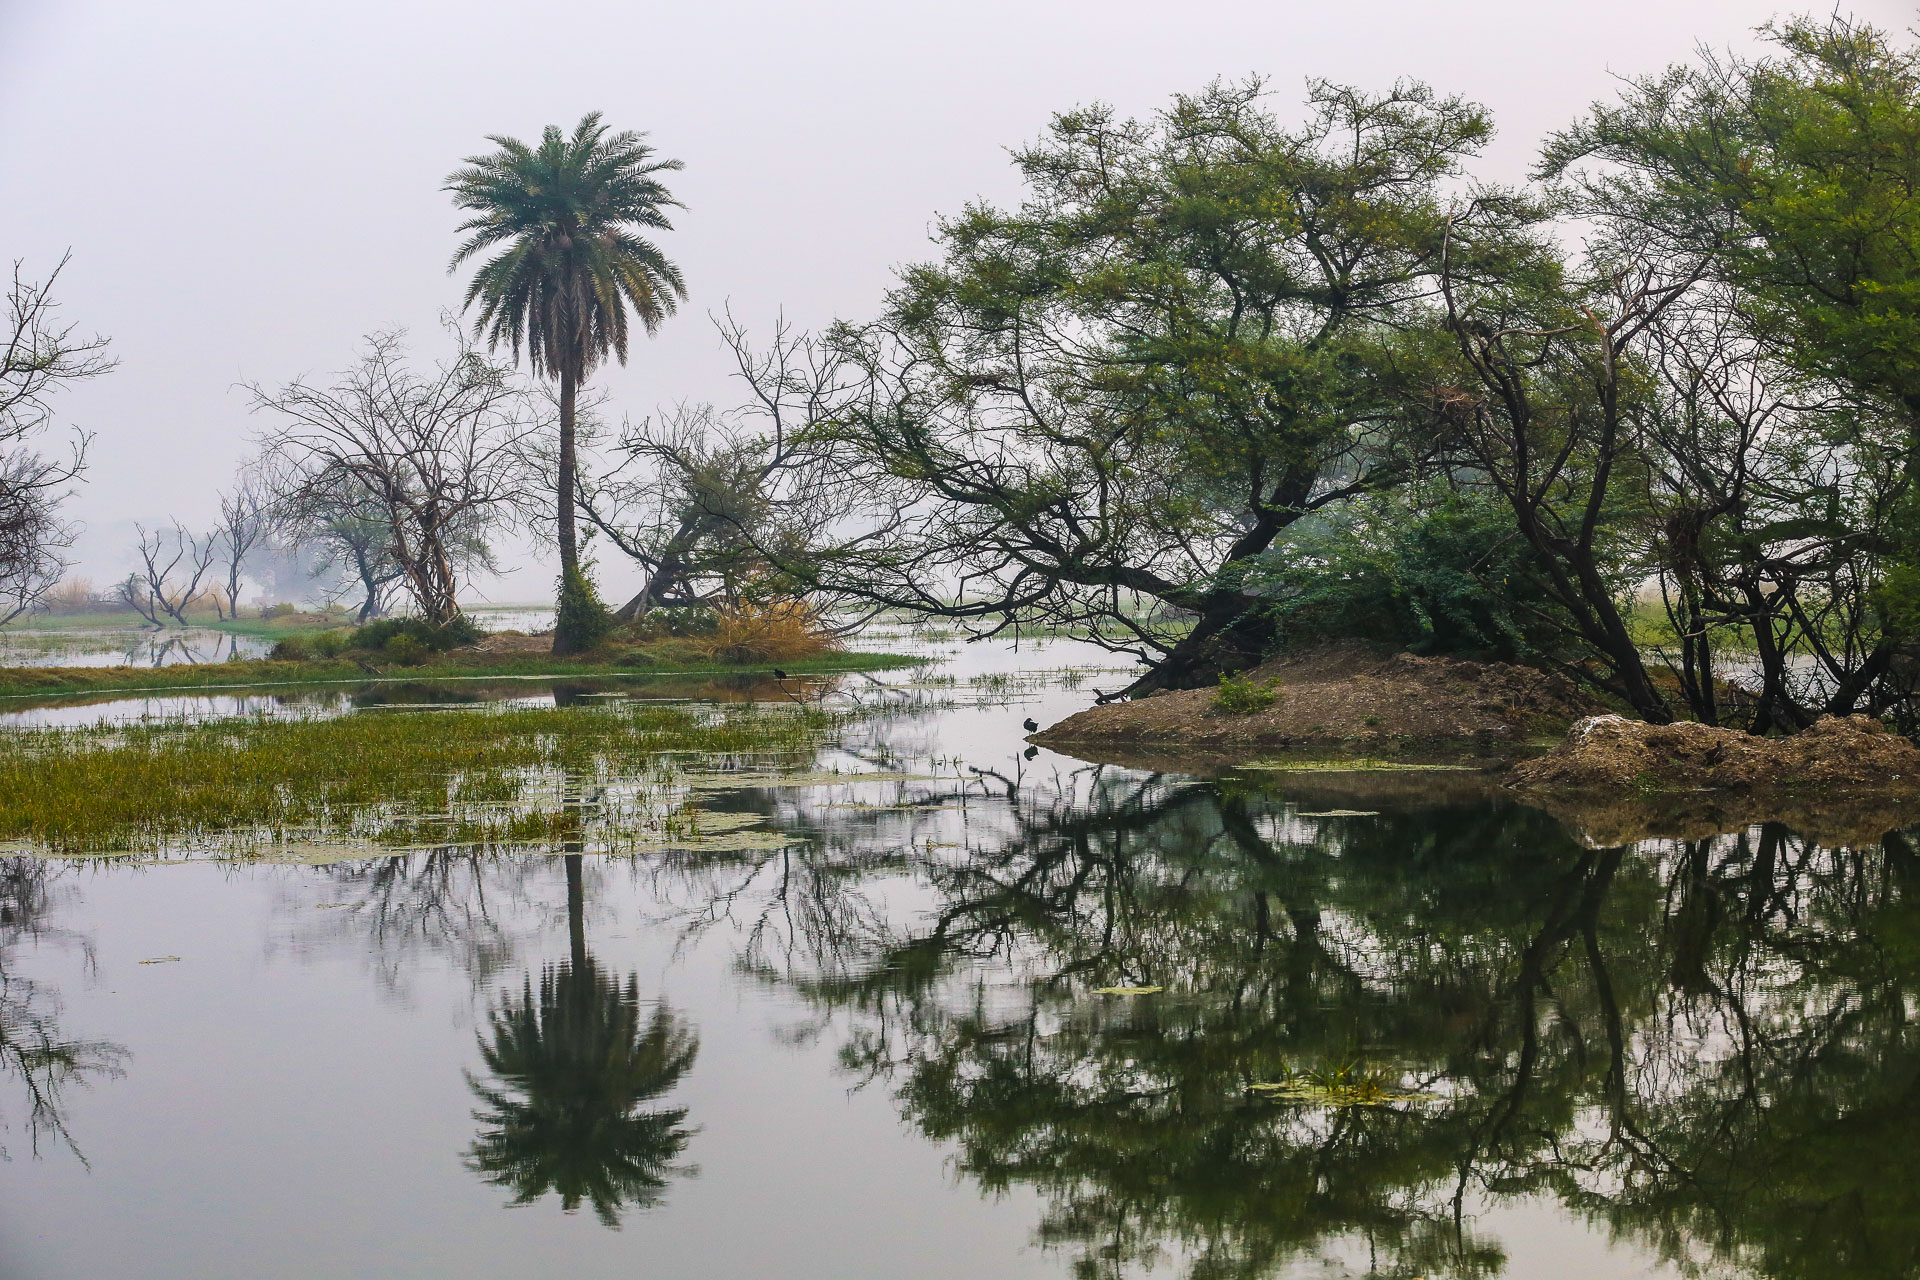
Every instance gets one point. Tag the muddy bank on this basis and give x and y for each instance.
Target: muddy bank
(1842, 781)
(1854, 755)
(1346, 696)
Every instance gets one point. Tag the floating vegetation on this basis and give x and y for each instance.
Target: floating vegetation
(1354, 764)
(1347, 1085)
(1127, 991)
(1341, 813)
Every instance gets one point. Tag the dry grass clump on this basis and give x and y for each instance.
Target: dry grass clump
(777, 631)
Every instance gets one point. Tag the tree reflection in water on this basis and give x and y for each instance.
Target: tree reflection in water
(36, 1056)
(571, 1063)
(1707, 1045)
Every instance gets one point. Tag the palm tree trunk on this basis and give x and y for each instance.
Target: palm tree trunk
(563, 510)
(576, 914)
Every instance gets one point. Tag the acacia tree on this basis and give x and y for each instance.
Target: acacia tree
(567, 218)
(432, 461)
(1790, 177)
(1549, 416)
(1195, 331)
(39, 357)
(717, 505)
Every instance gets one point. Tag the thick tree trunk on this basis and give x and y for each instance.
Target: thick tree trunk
(1228, 636)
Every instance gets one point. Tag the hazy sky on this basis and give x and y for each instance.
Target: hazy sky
(247, 188)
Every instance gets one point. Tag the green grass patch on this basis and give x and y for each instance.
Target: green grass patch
(262, 673)
(606, 775)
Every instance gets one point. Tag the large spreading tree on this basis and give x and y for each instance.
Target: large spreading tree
(1097, 409)
(571, 267)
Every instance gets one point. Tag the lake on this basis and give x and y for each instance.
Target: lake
(988, 1012)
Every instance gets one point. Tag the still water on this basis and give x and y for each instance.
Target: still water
(990, 1015)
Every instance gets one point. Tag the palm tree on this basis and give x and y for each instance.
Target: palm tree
(567, 218)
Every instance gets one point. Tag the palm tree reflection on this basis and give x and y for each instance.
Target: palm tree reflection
(571, 1062)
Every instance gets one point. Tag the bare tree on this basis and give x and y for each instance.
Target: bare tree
(712, 505)
(173, 564)
(434, 462)
(38, 357)
(246, 519)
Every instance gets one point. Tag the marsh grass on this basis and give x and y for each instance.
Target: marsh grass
(487, 776)
(264, 673)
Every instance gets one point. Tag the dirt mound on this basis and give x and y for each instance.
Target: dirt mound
(1839, 757)
(1343, 694)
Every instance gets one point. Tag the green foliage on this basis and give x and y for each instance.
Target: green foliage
(235, 786)
(312, 646)
(1795, 172)
(580, 621)
(1429, 570)
(566, 217)
(1243, 695)
(1188, 329)
(455, 634)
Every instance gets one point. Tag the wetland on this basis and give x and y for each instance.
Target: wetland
(842, 977)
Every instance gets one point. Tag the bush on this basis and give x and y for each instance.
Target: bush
(785, 630)
(375, 635)
(1424, 570)
(580, 620)
(404, 650)
(273, 612)
(311, 646)
(1243, 695)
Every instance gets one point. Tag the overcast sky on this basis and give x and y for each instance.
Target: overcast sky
(247, 188)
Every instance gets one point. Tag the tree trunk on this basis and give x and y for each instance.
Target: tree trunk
(1228, 636)
(563, 507)
(576, 913)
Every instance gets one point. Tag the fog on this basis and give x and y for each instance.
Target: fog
(247, 189)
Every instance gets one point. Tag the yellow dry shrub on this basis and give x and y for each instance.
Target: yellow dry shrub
(70, 595)
(780, 630)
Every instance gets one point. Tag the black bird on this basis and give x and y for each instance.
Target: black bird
(1029, 725)
(778, 674)
(1031, 752)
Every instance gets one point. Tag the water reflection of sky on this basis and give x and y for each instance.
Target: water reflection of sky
(880, 1049)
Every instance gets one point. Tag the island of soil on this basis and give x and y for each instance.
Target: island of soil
(1342, 696)
(1356, 710)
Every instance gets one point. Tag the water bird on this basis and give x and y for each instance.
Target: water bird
(778, 674)
(1029, 725)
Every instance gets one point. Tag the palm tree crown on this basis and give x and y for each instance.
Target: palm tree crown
(568, 214)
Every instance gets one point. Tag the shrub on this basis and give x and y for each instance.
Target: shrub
(1426, 570)
(1243, 695)
(404, 650)
(784, 630)
(281, 610)
(311, 646)
(375, 635)
(580, 620)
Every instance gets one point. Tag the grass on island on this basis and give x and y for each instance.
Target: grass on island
(384, 781)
